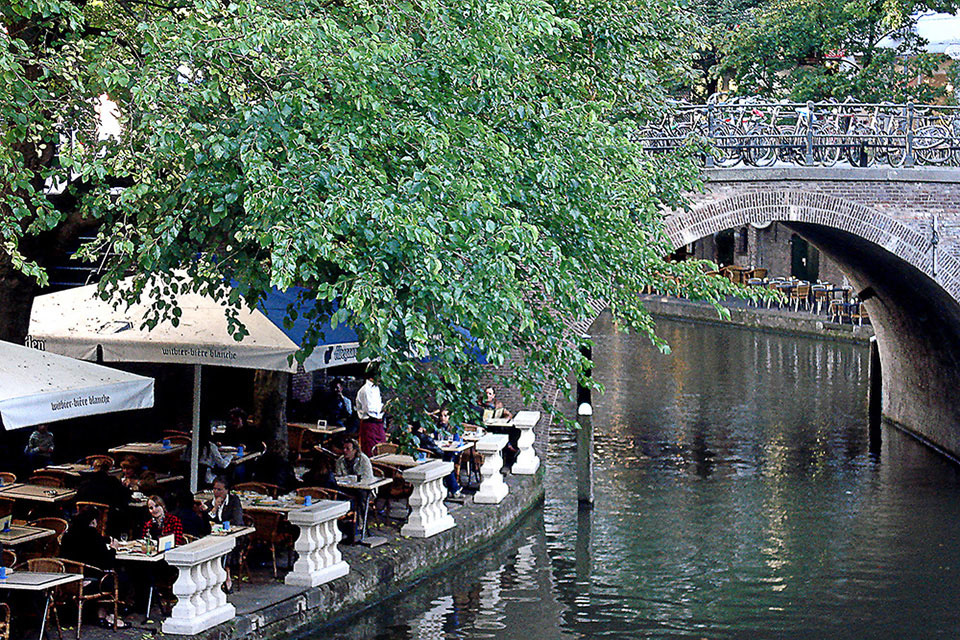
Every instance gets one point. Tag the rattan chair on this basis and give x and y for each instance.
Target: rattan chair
(385, 448)
(50, 546)
(269, 531)
(263, 488)
(47, 565)
(98, 585)
(4, 621)
(91, 460)
(103, 512)
(48, 479)
(7, 477)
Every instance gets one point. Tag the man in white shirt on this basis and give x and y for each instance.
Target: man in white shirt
(370, 414)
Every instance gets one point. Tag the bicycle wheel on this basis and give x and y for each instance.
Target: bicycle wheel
(931, 145)
(761, 148)
(790, 145)
(727, 142)
(862, 147)
(826, 146)
(895, 149)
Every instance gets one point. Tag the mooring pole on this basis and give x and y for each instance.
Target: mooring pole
(585, 455)
(874, 395)
(585, 439)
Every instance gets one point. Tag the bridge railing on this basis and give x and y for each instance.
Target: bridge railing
(755, 133)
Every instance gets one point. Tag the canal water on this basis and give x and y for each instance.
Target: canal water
(737, 496)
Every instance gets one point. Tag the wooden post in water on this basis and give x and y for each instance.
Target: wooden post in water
(585, 437)
(585, 455)
(874, 395)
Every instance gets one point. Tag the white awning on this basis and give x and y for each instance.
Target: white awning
(38, 387)
(76, 322)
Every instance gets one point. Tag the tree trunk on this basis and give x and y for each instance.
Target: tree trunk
(16, 299)
(270, 408)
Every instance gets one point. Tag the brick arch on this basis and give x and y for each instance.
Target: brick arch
(821, 209)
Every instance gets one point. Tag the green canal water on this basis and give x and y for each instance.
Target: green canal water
(737, 496)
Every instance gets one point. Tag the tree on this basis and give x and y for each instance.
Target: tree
(814, 49)
(421, 167)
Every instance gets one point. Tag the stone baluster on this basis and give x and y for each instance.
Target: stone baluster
(319, 558)
(492, 487)
(201, 603)
(527, 461)
(428, 515)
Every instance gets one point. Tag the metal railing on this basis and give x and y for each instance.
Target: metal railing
(756, 133)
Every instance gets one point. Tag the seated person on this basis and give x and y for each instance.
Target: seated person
(237, 430)
(99, 486)
(338, 409)
(225, 506)
(39, 449)
(134, 476)
(493, 408)
(211, 461)
(83, 543)
(161, 523)
(354, 462)
(190, 512)
(446, 431)
(274, 467)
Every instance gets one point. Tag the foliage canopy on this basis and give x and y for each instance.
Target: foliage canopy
(815, 49)
(418, 165)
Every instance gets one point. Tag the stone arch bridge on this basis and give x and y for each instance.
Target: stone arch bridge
(895, 233)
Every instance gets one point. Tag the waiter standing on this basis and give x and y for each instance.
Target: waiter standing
(370, 414)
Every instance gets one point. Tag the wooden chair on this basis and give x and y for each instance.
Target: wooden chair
(759, 272)
(243, 550)
(7, 477)
(103, 512)
(4, 621)
(90, 460)
(839, 310)
(301, 443)
(263, 488)
(859, 313)
(98, 585)
(800, 294)
(48, 479)
(821, 297)
(385, 447)
(177, 439)
(50, 546)
(397, 490)
(48, 565)
(269, 531)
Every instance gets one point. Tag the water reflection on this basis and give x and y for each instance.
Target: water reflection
(736, 497)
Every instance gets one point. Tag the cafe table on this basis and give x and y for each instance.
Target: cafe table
(366, 488)
(133, 552)
(42, 581)
(21, 533)
(454, 446)
(149, 449)
(247, 456)
(36, 493)
(320, 428)
(73, 469)
(396, 460)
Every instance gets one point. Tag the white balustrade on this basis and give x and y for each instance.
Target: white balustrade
(201, 603)
(428, 514)
(492, 487)
(319, 558)
(527, 461)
